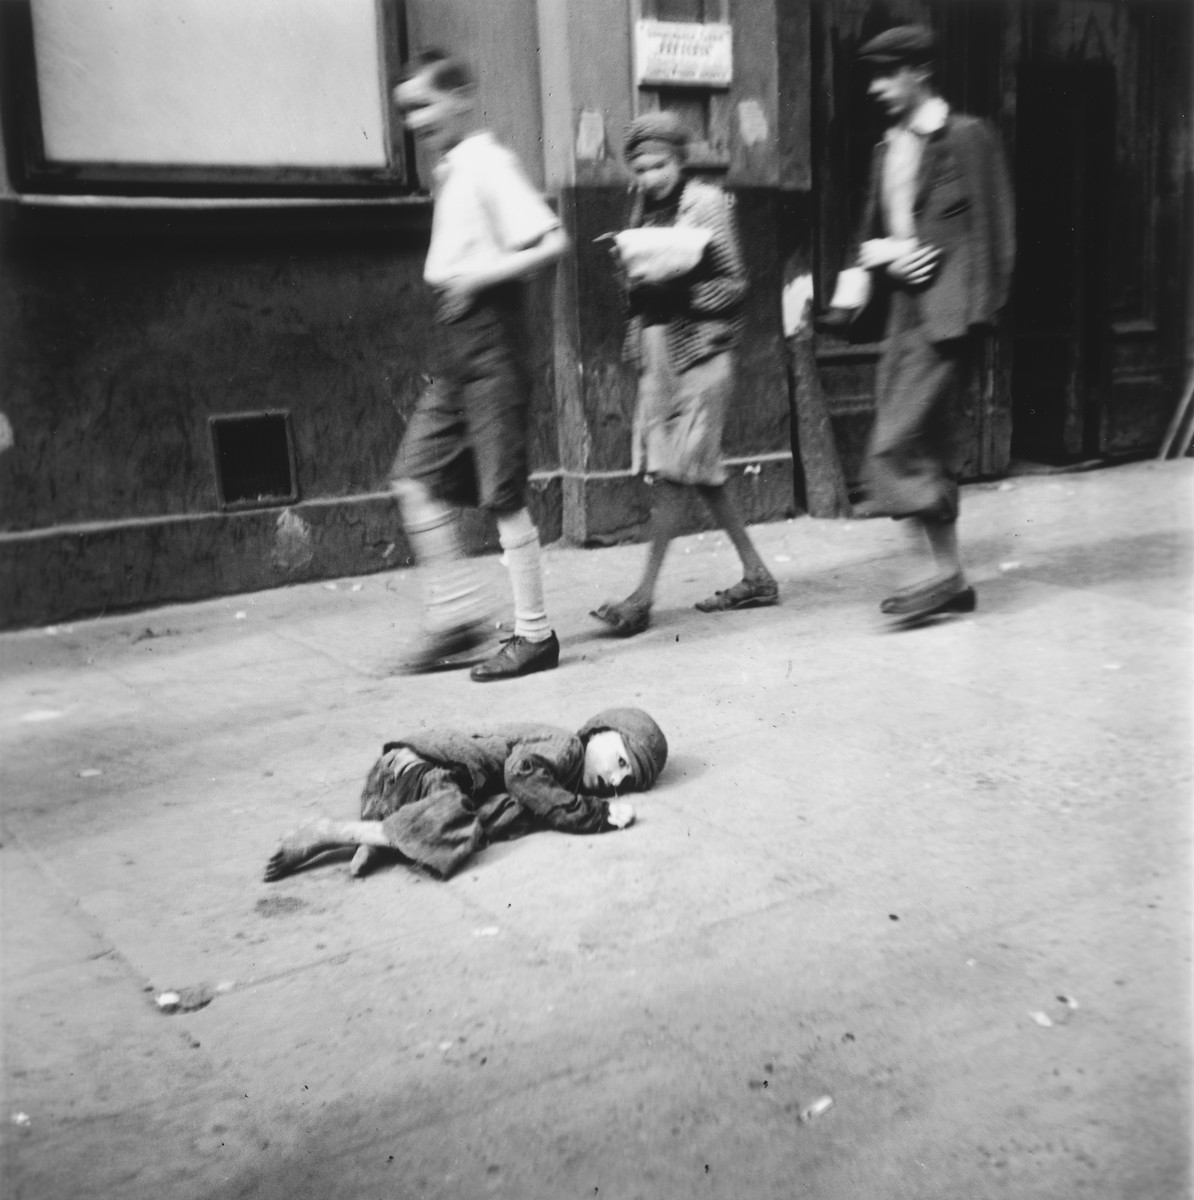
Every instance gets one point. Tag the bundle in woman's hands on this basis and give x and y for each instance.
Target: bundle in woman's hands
(659, 255)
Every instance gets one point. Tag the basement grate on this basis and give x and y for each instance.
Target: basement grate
(254, 459)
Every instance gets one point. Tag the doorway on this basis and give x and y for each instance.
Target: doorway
(1064, 175)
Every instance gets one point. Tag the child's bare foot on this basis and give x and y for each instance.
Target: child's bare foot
(362, 861)
(303, 843)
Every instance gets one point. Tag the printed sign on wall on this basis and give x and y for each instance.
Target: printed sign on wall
(683, 54)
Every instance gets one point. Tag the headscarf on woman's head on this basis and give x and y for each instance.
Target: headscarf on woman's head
(659, 132)
(644, 741)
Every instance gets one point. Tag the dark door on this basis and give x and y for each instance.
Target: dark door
(1064, 167)
(1103, 272)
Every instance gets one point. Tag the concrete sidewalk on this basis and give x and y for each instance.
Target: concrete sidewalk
(877, 867)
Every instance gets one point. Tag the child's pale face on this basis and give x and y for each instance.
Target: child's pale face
(432, 115)
(607, 763)
(657, 174)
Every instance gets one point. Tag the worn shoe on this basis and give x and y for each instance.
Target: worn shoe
(625, 618)
(441, 650)
(747, 593)
(835, 320)
(951, 594)
(519, 657)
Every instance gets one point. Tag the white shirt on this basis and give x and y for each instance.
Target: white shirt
(484, 207)
(905, 148)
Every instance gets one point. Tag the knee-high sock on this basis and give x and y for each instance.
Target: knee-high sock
(520, 541)
(453, 595)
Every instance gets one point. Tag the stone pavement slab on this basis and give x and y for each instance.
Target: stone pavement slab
(875, 862)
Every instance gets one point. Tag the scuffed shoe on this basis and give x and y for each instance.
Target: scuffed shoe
(747, 593)
(441, 650)
(835, 320)
(935, 596)
(519, 657)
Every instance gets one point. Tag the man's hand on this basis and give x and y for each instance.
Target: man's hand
(880, 252)
(917, 267)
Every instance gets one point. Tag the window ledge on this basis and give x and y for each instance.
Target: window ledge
(1137, 327)
(213, 203)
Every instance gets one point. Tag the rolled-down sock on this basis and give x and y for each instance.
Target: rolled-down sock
(453, 594)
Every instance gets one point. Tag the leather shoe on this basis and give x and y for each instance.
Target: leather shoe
(441, 650)
(834, 320)
(519, 657)
(951, 594)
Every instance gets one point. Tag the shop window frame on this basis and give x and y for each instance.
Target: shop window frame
(31, 173)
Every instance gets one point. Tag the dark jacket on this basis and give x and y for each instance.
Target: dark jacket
(504, 781)
(964, 207)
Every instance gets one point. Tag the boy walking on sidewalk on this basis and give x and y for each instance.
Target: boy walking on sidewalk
(466, 443)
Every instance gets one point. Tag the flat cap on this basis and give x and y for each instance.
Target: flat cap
(905, 45)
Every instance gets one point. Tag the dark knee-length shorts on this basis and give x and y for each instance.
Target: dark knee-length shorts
(467, 438)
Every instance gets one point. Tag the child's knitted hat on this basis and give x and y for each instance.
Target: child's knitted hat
(660, 131)
(644, 741)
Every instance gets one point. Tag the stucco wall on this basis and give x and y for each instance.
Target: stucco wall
(125, 333)
(499, 40)
(125, 330)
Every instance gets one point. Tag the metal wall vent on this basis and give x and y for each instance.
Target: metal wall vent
(254, 459)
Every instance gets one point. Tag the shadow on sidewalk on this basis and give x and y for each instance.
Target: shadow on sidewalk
(1160, 565)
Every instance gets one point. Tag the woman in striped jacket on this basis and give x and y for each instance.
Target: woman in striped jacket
(684, 280)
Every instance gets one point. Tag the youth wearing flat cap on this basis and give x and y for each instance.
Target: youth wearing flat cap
(938, 237)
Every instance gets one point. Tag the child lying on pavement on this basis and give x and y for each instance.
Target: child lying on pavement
(436, 797)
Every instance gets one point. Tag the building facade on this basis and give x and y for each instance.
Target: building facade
(213, 332)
